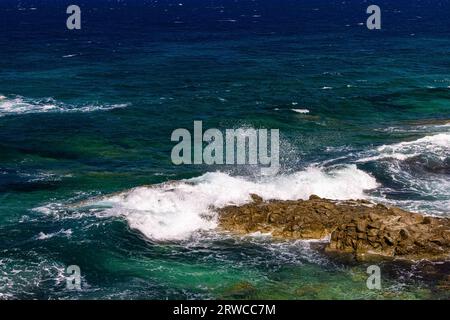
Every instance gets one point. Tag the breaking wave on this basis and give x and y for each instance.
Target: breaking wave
(174, 210)
(437, 145)
(416, 172)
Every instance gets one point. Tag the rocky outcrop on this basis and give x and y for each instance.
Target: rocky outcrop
(358, 227)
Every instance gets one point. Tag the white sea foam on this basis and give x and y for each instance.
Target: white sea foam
(45, 236)
(437, 145)
(300, 110)
(18, 275)
(431, 190)
(173, 211)
(428, 207)
(20, 105)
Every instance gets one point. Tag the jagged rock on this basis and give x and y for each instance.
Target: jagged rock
(356, 226)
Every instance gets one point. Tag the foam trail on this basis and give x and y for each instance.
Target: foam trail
(20, 105)
(173, 211)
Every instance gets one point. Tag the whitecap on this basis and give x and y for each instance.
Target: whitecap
(300, 110)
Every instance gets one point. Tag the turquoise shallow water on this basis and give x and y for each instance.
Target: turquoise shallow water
(84, 115)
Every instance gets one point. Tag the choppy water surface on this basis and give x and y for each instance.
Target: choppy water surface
(85, 123)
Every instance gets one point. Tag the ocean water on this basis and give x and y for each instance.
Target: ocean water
(85, 122)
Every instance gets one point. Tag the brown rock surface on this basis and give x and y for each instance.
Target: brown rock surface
(356, 226)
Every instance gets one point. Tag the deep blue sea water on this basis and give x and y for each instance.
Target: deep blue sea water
(86, 117)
